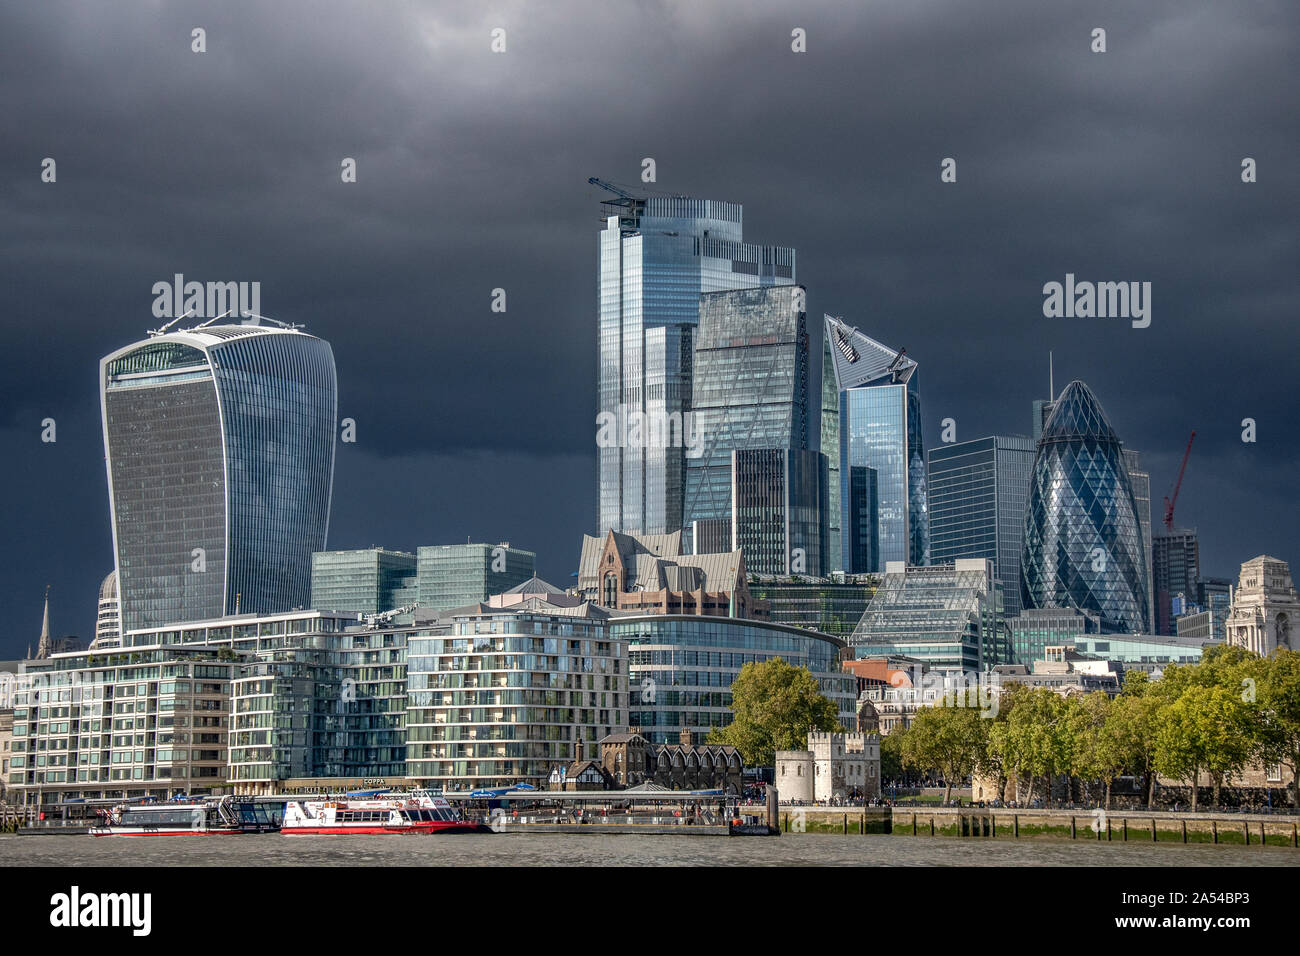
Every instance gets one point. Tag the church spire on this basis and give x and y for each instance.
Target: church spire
(43, 649)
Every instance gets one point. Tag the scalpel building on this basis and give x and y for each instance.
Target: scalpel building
(219, 443)
(880, 430)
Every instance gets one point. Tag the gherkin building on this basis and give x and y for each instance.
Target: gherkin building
(1083, 545)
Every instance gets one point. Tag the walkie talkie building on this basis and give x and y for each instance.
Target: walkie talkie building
(1083, 545)
(219, 444)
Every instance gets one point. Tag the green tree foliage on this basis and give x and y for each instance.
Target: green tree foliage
(1206, 729)
(774, 704)
(950, 740)
(891, 754)
(1278, 692)
(1094, 753)
(1037, 734)
(1001, 760)
(1130, 730)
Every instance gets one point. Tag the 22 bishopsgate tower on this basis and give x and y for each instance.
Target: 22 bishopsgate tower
(219, 443)
(657, 255)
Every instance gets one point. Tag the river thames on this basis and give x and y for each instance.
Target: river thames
(549, 849)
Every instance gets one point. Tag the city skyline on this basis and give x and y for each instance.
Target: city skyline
(473, 423)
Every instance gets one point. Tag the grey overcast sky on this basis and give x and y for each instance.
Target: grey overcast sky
(472, 169)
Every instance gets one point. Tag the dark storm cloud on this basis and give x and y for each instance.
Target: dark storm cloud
(472, 169)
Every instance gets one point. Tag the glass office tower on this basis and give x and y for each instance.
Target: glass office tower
(1176, 567)
(456, 575)
(861, 538)
(219, 445)
(1140, 481)
(778, 508)
(880, 428)
(657, 255)
(948, 615)
(978, 491)
(367, 581)
(750, 388)
(830, 446)
(1083, 541)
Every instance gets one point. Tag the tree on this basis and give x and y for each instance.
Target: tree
(1036, 734)
(1130, 730)
(1205, 729)
(774, 705)
(1136, 683)
(891, 754)
(950, 740)
(1001, 760)
(1094, 753)
(1279, 704)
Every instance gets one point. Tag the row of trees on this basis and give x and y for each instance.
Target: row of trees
(1215, 718)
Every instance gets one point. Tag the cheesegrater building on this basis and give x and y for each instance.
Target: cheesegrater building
(219, 445)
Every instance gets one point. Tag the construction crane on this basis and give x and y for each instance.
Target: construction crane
(613, 188)
(1170, 502)
(630, 206)
(374, 621)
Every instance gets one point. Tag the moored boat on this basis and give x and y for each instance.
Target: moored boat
(208, 816)
(414, 813)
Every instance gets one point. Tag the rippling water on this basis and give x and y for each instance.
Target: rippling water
(614, 850)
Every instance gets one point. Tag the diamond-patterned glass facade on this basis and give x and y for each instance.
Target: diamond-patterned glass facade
(1084, 546)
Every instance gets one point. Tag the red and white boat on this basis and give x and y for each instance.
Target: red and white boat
(415, 812)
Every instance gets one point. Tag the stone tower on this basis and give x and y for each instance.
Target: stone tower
(1265, 612)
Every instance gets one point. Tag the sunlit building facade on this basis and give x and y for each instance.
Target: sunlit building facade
(455, 575)
(367, 581)
(657, 254)
(504, 696)
(948, 616)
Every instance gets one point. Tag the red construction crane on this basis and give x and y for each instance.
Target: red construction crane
(1169, 503)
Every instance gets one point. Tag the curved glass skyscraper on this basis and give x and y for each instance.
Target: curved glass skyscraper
(219, 444)
(1083, 545)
